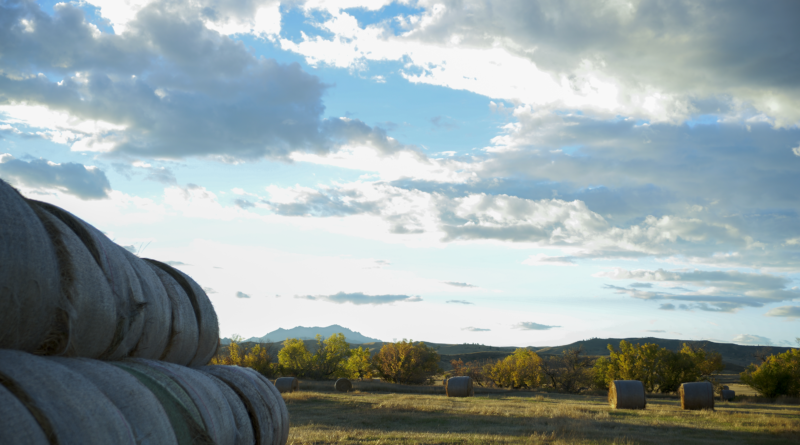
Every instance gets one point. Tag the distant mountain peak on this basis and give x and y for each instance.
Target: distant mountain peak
(309, 333)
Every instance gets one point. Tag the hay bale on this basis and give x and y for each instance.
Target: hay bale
(626, 394)
(142, 410)
(697, 395)
(207, 324)
(245, 435)
(126, 289)
(725, 387)
(29, 275)
(93, 316)
(17, 424)
(343, 385)
(68, 407)
(209, 400)
(287, 384)
(264, 404)
(460, 386)
(727, 395)
(183, 335)
(157, 311)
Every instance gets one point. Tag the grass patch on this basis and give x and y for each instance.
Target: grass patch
(384, 413)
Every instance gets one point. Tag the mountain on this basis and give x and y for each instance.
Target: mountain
(305, 333)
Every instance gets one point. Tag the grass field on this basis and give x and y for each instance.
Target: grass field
(381, 413)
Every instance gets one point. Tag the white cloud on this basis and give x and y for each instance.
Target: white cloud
(40, 174)
(359, 298)
(531, 326)
(784, 311)
(796, 150)
(541, 259)
(749, 339)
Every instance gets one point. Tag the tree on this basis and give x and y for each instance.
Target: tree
(358, 365)
(569, 372)
(522, 369)
(778, 375)
(406, 362)
(330, 356)
(294, 358)
(473, 369)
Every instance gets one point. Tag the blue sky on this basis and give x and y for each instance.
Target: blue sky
(506, 173)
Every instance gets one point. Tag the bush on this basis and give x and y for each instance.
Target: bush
(779, 375)
(406, 362)
(522, 369)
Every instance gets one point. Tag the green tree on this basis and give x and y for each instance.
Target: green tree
(407, 362)
(778, 375)
(358, 365)
(330, 356)
(522, 369)
(294, 358)
(569, 372)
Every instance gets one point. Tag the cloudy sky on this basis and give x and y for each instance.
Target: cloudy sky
(506, 173)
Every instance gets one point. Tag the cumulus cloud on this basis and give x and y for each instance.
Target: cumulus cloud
(240, 294)
(471, 329)
(459, 302)
(531, 326)
(458, 284)
(359, 298)
(784, 311)
(667, 307)
(69, 177)
(750, 339)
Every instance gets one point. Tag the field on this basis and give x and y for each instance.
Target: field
(382, 413)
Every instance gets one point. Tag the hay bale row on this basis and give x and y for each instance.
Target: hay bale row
(46, 400)
(460, 386)
(68, 290)
(287, 384)
(697, 395)
(626, 394)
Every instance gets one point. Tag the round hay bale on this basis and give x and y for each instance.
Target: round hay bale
(343, 385)
(17, 424)
(207, 324)
(157, 311)
(143, 411)
(245, 435)
(626, 394)
(697, 395)
(183, 336)
(264, 404)
(29, 275)
(125, 287)
(69, 408)
(209, 400)
(725, 387)
(727, 395)
(93, 316)
(460, 386)
(287, 384)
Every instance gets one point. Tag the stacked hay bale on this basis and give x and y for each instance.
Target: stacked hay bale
(626, 394)
(287, 384)
(459, 387)
(343, 385)
(697, 395)
(71, 296)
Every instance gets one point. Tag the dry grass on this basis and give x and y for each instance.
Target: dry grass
(372, 414)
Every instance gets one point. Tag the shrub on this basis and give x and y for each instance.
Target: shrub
(406, 362)
(779, 375)
(522, 369)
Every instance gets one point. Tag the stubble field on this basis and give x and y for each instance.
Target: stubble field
(381, 413)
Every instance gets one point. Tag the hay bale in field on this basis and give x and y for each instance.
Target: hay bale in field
(697, 395)
(460, 386)
(93, 316)
(142, 410)
(207, 324)
(264, 403)
(287, 384)
(209, 400)
(343, 385)
(245, 434)
(17, 424)
(727, 395)
(157, 311)
(626, 394)
(725, 387)
(183, 335)
(67, 406)
(126, 289)
(30, 293)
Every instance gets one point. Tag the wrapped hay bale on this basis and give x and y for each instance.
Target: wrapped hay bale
(17, 424)
(126, 289)
(245, 435)
(343, 385)
(183, 336)
(460, 386)
(287, 384)
(626, 394)
(142, 410)
(93, 316)
(157, 311)
(207, 324)
(264, 404)
(209, 400)
(698, 395)
(727, 395)
(67, 406)
(30, 293)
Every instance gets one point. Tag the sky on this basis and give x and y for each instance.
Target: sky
(508, 173)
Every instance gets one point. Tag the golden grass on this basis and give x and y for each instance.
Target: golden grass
(371, 414)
